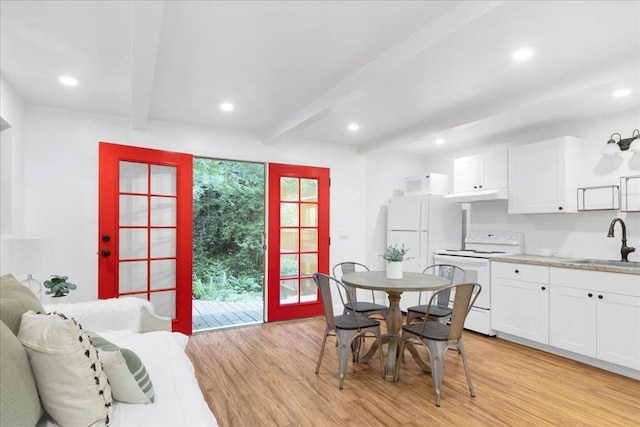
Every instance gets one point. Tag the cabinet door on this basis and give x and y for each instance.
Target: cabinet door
(492, 170)
(465, 174)
(536, 178)
(619, 329)
(572, 320)
(520, 308)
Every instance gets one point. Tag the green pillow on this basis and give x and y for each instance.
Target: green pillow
(15, 300)
(129, 379)
(19, 401)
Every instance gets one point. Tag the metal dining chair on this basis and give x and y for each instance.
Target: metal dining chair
(361, 307)
(441, 311)
(348, 328)
(437, 337)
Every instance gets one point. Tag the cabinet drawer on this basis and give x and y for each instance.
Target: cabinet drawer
(526, 272)
(615, 283)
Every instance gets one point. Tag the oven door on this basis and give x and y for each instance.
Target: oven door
(477, 270)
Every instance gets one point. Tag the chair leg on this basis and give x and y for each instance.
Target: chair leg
(403, 339)
(379, 338)
(437, 350)
(466, 366)
(344, 342)
(324, 342)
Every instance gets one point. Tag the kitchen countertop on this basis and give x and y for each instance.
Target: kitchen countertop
(550, 261)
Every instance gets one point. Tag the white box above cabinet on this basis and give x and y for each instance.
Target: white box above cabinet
(434, 183)
(542, 176)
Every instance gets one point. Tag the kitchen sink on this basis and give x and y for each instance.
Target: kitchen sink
(629, 264)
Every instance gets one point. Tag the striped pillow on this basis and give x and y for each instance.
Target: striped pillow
(126, 373)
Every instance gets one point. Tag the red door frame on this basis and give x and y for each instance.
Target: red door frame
(277, 311)
(108, 207)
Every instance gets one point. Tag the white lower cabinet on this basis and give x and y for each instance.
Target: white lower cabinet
(572, 315)
(596, 314)
(520, 300)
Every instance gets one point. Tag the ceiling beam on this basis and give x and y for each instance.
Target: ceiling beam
(429, 35)
(146, 24)
(509, 101)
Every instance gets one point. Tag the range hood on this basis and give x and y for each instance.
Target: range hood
(479, 196)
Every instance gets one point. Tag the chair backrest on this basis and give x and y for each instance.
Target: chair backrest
(465, 296)
(343, 268)
(324, 283)
(455, 275)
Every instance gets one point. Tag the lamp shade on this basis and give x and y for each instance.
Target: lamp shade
(611, 148)
(635, 144)
(28, 256)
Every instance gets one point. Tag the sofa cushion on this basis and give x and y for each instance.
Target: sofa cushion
(16, 299)
(19, 400)
(73, 387)
(127, 375)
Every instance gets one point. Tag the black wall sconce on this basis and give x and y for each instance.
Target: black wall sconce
(616, 146)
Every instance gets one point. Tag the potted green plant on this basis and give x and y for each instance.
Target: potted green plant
(394, 256)
(58, 286)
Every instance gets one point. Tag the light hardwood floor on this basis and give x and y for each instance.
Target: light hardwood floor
(263, 375)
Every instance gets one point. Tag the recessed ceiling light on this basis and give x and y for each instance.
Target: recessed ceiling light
(523, 54)
(439, 141)
(226, 106)
(621, 93)
(68, 81)
(353, 127)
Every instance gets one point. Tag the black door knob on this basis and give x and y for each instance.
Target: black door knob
(105, 253)
(106, 238)
(600, 296)
(590, 294)
(543, 288)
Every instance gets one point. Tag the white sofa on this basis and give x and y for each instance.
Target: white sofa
(130, 323)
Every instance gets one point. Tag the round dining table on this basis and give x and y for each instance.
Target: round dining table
(410, 282)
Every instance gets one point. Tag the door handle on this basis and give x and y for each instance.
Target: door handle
(105, 252)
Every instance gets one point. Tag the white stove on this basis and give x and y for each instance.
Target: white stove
(487, 244)
(475, 260)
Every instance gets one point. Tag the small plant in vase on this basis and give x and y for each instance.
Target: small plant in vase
(394, 256)
(393, 253)
(58, 286)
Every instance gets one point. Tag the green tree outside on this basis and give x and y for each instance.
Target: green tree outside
(228, 225)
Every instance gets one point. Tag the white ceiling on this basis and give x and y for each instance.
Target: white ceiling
(407, 72)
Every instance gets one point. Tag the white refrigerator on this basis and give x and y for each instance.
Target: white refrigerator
(423, 223)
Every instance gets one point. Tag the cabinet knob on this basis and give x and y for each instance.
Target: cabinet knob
(475, 186)
(517, 271)
(543, 288)
(600, 296)
(559, 208)
(105, 253)
(590, 294)
(479, 186)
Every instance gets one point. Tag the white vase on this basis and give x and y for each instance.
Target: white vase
(394, 270)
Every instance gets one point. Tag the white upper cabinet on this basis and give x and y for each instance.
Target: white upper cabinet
(480, 172)
(542, 177)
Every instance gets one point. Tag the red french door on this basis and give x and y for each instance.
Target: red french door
(145, 228)
(298, 239)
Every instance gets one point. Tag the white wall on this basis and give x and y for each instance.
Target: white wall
(12, 197)
(584, 233)
(61, 187)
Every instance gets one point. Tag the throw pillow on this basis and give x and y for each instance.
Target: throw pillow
(73, 387)
(19, 400)
(16, 299)
(127, 375)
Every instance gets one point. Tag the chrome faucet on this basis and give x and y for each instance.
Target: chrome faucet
(624, 250)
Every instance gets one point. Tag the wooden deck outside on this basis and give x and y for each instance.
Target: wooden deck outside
(214, 314)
